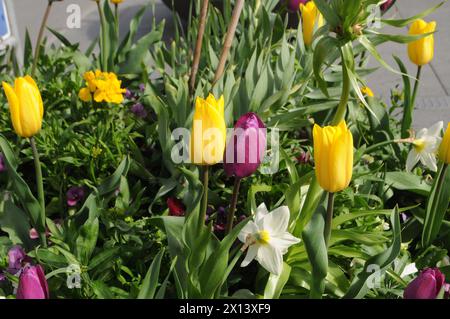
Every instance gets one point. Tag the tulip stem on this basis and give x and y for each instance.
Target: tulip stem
(408, 111)
(329, 220)
(230, 217)
(40, 189)
(37, 50)
(204, 207)
(116, 16)
(104, 58)
(198, 45)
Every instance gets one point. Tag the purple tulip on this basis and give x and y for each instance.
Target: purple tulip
(426, 286)
(243, 157)
(32, 283)
(294, 5)
(16, 257)
(139, 110)
(387, 5)
(74, 195)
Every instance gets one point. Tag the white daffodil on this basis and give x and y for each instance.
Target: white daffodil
(425, 147)
(267, 238)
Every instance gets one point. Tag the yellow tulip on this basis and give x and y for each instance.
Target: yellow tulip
(116, 1)
(444, 149)
(421, 51)
(310, 17)
(208, 133)
(333, 156)
(25, 105)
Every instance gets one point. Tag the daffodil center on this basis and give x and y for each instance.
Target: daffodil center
(419, 145)
(263, 237)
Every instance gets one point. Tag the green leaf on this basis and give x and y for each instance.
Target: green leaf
(21, 189)
(14, 222)
(276, 283)
(359, 287)
(151, 280)
(437, 206)
(404, 22)
(407, 182)
(86, 240)
(313, 238)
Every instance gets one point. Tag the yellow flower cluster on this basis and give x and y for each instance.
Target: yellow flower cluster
(102, 87)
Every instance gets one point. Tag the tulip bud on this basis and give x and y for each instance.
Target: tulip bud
(387, 5)
(421, 51)
(333, 156)
(310, 18)
(444, 149)
(209, 132)
(25, 105)
(32, 283)
(246, 147)
(426, 286)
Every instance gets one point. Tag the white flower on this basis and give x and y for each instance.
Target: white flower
(268, 238)
(425, 147)
(409, 270)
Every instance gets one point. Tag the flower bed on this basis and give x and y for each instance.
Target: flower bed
(245, 158)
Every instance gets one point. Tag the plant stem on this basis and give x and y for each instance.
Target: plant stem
(104, 60)
(230, 217)
(329, 220)
(37, 49)
(198, 45)
(116, 16)
(408, 112)
(228, 40)
(40, 188)
(435, 201)
(342, 108)
(204, 207)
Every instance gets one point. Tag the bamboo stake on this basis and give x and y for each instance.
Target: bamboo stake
(198, 45)
(228, 40)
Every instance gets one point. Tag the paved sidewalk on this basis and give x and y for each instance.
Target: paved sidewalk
(433, 102)
(433, 97)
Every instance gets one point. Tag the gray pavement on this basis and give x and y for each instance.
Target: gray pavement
(434, 94)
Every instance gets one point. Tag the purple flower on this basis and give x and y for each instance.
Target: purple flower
(245, 149)
(74, 195)
(294, 5)
(142, 87)
(129, 95)
(426, 286)
(304, 158)
(32, 283)
(139, 110)
(16, 257)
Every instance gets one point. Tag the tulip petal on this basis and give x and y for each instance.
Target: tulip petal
(30, 80)
(14, 107)
(30, 117)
